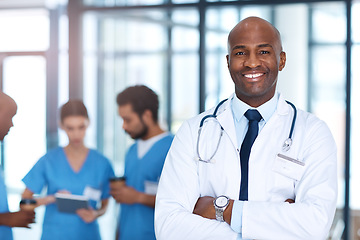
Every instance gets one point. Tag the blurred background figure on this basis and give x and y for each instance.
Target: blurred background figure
(138, 107)
(73, 169)
(8, 219)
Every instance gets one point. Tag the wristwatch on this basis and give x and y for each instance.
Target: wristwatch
(220, 204)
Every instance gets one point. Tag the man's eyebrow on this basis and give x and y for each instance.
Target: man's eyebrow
(259, 46)
(265, 45)
(238, 47)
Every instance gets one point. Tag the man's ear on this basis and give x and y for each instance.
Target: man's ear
(147, 116)
(227, 60)
(282, 61)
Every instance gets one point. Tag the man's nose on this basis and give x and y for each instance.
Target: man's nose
(252, 61)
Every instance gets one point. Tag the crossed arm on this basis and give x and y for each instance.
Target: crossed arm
(205, 208)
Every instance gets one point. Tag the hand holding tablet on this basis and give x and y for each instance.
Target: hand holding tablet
(69, 203)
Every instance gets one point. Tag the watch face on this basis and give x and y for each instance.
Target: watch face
(221, 201)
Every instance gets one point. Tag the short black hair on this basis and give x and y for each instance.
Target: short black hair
(73, 107)
(141, 98)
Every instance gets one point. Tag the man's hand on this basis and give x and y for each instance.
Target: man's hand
(205, 207)
(17, 219)
(125, 194)
(87, 215)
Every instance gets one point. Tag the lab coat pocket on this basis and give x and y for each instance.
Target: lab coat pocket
(286, 172)
(289, 167)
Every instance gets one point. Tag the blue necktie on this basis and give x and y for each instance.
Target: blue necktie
(254, 117)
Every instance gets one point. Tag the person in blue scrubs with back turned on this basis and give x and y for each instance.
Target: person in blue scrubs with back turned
(8, 109)
(138, 107)
(74, 169)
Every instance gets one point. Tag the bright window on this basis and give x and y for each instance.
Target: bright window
(28, 31)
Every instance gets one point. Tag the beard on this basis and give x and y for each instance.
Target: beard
(141, 133)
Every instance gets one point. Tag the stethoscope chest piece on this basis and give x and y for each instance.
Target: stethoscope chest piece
(287, 144)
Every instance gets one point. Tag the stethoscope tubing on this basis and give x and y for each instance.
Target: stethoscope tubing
(293, 120)
(214, 113)
(286, 146)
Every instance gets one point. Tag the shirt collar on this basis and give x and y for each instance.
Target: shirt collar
(266, 110)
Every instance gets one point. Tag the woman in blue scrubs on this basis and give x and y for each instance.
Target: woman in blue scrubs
(73, 169)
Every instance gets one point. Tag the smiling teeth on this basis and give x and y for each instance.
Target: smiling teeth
(253, 75)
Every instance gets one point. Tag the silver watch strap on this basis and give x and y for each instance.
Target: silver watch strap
(219, 214)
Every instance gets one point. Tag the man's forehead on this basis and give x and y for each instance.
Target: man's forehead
(254, 23)
(126, 108)
(254, 33)
(244, 31)
(253, 39)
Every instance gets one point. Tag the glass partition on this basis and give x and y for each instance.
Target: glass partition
(184, 65)
(219, 22)
(125, 49)
(355, 129)
(328, 85)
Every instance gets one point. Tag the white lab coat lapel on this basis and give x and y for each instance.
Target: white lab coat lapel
(282, 109)
(226, 120)
(263, 152)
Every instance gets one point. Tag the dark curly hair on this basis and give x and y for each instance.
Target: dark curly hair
(141, 98)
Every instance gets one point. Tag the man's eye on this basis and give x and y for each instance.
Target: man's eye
(239, 53)
(264, 52)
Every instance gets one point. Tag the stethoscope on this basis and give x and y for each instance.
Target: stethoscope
(286, 145)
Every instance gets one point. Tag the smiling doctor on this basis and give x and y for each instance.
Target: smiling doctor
(254, 167)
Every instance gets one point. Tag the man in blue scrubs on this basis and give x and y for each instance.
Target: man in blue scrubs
(138, 107)
(8, 219)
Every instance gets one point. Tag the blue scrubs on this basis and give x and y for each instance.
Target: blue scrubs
(137, 220)
(54, 172)
(5, 232)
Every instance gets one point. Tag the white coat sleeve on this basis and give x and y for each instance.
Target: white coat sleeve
(311, 215)
(178, 193)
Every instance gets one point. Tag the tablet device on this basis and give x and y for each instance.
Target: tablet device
(69, 203)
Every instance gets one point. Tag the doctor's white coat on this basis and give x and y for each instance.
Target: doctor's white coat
(265, 215)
